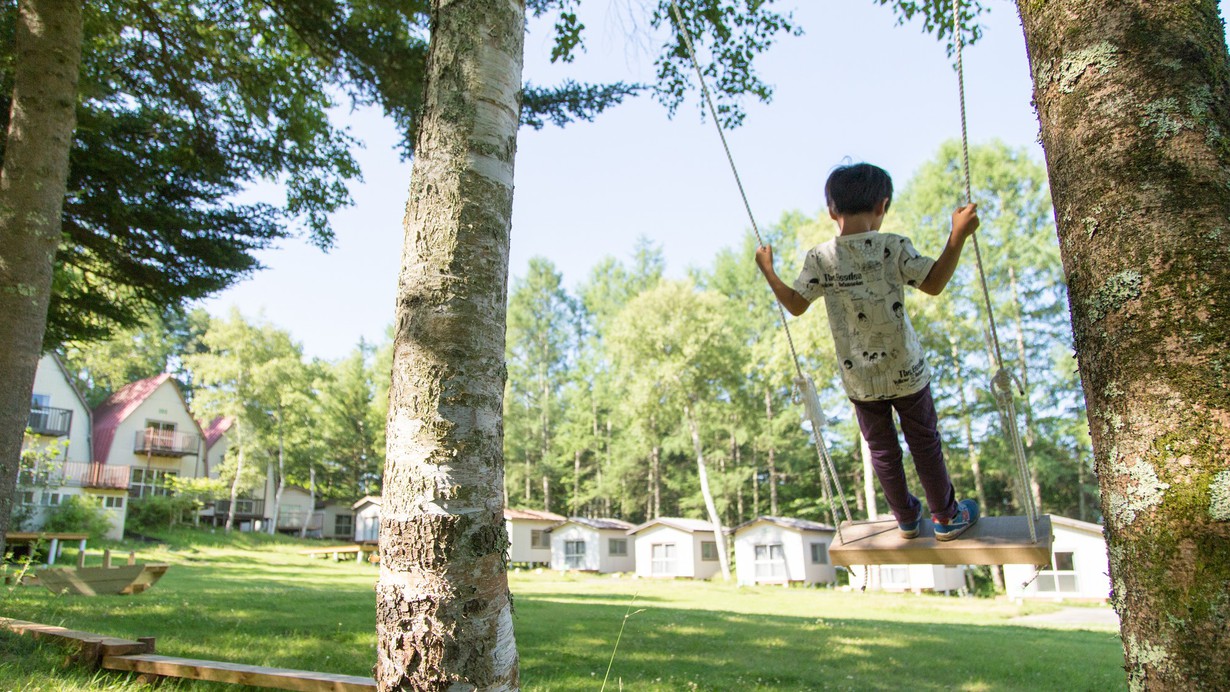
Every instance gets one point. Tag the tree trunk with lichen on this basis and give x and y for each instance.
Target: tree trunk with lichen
(47, 55)
(443, 609)
(1134, 102)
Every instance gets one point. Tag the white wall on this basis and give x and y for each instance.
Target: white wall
(687, 562)
(367, 523)
(598, 556)
(900, 578)
(49, 380)
(1090, 573)
(520, 533)
(796, 548)
(163, 405)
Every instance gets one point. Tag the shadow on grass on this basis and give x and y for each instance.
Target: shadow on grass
(567, 646)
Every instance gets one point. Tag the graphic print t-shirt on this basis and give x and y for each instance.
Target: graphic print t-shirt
(862, 279)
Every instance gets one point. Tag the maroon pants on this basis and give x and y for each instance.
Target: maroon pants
(919, 425)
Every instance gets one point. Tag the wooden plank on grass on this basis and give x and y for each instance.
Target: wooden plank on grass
(991, 541)
(238, 673)
(91, 581)
(75, 638)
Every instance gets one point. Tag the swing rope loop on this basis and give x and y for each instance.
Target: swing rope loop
(1001, 382)
(805, 388)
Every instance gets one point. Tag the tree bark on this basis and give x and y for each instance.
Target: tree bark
(47, 57)
(719, 536)
(1134, 103)
(443, 609)
(772, 454)
(230, 511)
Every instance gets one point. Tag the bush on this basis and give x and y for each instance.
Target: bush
(157, 512)
(79, 513)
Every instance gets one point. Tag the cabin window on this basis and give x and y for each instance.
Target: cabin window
(539, 539)
(40, 401)
(147, 482)
(1061, 577)
(52, 499)
(819, 554)
(111, 502)
(27, 497)
(618, 547)
(895, 576)
(662, 561)
(770, 562)
(574, 554)
(708, 551)
(343, 525)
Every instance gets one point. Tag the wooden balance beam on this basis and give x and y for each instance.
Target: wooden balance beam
(991, 541)
(238, 673)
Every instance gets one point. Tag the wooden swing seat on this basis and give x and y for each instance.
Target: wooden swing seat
(991, 541)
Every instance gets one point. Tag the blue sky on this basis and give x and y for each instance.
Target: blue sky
(854, 85)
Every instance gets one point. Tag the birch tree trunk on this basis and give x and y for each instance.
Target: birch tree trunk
(772, 453)
(714, 518)
(277, 494)
(1134, 102)
(47, 56)
(230, 510)
(443, 609)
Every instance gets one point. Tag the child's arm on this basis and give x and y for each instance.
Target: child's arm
(964, 223)
(790, 299)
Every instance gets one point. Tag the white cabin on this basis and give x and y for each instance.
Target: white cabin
(674, 547)
(1079, 569)
(529, 535)
(915, 578)
(366, 518)
(780, 550)
(593, 545)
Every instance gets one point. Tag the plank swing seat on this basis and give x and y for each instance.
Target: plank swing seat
(991, 541)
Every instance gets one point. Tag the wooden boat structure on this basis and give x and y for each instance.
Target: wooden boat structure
(131, 578)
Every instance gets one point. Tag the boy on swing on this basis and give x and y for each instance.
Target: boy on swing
(861, 274)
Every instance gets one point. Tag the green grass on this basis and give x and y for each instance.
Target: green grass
(255, 599)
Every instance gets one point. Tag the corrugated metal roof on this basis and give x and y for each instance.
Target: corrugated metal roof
(790, 523)
(215, 430)
(689, 525)
(531, 514)
(110, 413)
(601, 523)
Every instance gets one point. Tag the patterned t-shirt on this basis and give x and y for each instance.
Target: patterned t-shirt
(862, 278)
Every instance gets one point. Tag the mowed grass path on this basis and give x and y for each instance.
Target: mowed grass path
(254, 599)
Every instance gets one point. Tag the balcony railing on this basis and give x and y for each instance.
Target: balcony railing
(293, 520)
(165, 443)
(94, 475)
(243, 508)
(53, 422)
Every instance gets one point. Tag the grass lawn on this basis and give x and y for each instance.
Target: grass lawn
(255, 599)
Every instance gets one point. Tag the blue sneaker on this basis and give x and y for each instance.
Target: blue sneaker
(910, 530)
(966, 516)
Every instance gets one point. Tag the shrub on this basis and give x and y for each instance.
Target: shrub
(79, 513)
(157, 512)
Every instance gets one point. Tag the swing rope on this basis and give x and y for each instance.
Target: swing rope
(1001, 383)
(806, 388)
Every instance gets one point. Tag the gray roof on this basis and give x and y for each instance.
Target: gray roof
(790, 523)
(689, 525)
(597, 523)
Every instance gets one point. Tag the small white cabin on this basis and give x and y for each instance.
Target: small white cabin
(781, 550)
(367, 519)
(593, 545)
(529, 535)
(915, 578)
(674, 547)
(1079, 569)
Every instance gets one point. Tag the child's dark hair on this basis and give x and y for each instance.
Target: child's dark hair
(857, 188)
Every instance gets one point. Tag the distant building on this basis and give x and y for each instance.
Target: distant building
(366, 517)
(780, 550)
(528, 535)
(592, 545)
(1079, 569)
(61, 424)
(674, 547)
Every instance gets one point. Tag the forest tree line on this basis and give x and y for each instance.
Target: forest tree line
(598, 377)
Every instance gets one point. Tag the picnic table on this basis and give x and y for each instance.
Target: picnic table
(56, 540)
